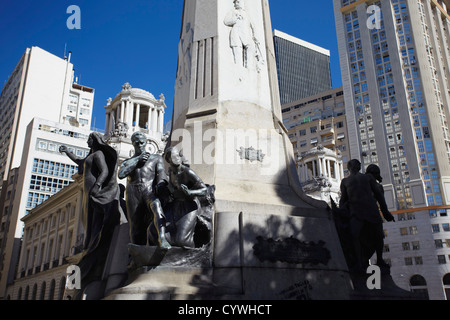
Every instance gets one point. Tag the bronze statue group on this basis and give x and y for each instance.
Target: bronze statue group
(162, 209)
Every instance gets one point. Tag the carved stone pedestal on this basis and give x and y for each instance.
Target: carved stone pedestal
(252, 257)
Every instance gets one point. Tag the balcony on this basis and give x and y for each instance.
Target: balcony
(328, 141)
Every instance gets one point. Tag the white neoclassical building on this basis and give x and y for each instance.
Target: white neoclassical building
(135, 110)
(321, 171)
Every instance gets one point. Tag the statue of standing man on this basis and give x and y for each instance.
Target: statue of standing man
(145, 174)
(241, 35)
(360, 194)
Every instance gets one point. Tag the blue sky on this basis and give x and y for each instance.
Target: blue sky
(135, 41)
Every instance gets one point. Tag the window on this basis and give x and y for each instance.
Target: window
(404, 231)
(439, 244)
(419, 285)
(73, 99)
(85, 102)
(408, 261)
(435, 228)
(442, 259)
(446, 227)
(405, 246)
(42, 145)
(415, 245)
(83, 121)
(52, 147)
(411, 216)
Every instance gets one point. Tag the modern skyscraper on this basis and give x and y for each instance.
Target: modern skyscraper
(395, 69)
(41, 86)
(303, 68)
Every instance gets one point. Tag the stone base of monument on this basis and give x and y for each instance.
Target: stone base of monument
(251, 257)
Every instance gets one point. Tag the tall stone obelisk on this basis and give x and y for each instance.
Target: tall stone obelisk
(270, 239)
(226, 98)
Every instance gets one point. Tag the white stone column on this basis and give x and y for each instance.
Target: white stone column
(324, 167)
(107, 122)
(329, 168)
(336, 171)
(314, 168)
(129, 114)
(161, 121)
(138, 115)
(149, 121)
(342, 170)
(112, 121)
(122, 111)
(319, 160)
(306, 171)
(154, 119)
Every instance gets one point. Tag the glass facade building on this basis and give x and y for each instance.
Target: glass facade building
(303, 68)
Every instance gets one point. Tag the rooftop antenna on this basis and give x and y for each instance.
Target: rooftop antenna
(65, 48)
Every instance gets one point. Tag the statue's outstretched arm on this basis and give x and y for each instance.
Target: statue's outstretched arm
(74, 158)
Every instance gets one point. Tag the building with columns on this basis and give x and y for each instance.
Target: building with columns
(321, 171)
(53, 233)
(135, 110)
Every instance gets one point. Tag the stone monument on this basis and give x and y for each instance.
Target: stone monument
(269, 240)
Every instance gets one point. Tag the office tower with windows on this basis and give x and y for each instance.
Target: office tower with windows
(303, 68)
(394, 59)
(41, 86)
(318, 120)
